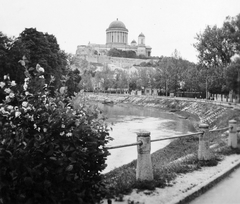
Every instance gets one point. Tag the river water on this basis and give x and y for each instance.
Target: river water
(126, 120)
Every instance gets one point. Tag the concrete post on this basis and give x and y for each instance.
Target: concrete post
(232, 137)
(204, 152)
(144, 163)
(238, 137)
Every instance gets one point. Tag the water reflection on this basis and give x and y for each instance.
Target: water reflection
(126, 120)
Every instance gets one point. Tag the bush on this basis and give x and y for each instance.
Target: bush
(49, 151)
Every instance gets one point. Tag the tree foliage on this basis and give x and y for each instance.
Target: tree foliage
(216, 46)
(114, 52)
(39, 48)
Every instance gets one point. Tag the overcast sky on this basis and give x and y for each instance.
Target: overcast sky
(166, 24)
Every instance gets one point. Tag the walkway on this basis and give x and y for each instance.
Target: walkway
(225, 192)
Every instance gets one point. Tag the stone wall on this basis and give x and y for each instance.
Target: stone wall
(118, 61)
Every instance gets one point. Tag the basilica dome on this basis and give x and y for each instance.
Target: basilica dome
(117, 25)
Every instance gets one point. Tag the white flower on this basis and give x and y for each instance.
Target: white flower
(41, 77)
(69, 134)
(17, 114)
(31, 117)
(62, 126)
(44, 129)
(25, 86)
(22, 62)
(7, 90)
(41, 69)
(7, 99)
(5, 76)
(62, 133)
(11, 95)
(35, 126)
(27, 93)
(26, 79)
(13, 83)
(2, 84)
(10, 107)
(24, 104)
(39, 129)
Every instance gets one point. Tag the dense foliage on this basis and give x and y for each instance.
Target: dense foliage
(39, 48)
(216, 46)
(50, 152)
(114, 52)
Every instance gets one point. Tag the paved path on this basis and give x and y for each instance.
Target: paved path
(225, 192)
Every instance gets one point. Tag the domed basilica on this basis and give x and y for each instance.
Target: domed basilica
(117, 37)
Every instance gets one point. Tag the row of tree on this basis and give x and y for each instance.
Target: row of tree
(168, 74)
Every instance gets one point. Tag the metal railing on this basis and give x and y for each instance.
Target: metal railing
(144, 165)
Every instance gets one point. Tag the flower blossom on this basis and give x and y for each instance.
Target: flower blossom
(24, 104)
(25, 86)
(7, 99)
(13, 83)
(69, 134)
(11, 95)
(10, 107)
(7, 90)
(2, 84)
(17, 114)
(41, 69)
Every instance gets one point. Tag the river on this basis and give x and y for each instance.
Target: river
(125, 120)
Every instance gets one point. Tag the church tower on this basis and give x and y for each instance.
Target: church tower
(141, 39)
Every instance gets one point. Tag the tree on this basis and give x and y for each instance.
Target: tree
(5, 44)
(41, 48)
(231, 28)
(216, 46)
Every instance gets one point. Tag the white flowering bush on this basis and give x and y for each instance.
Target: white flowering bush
(50, 152)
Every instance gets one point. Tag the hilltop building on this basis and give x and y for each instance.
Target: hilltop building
(116, 37)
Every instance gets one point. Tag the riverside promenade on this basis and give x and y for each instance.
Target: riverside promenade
(225, 192)
(187, 187)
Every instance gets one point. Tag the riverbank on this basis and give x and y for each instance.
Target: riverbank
(215, 114)
(179, 157)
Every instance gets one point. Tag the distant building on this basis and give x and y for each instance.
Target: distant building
(116, 37)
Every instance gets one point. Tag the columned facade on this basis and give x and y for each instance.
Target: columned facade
(116, 34)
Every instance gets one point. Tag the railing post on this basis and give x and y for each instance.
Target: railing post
(232, 137)
(238, 137)
(144, 163)
(204, 152)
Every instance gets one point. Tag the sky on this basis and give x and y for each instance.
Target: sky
(166, 24)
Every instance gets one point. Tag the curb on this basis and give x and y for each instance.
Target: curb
(206, 185)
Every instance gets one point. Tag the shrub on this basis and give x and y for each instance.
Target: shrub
(49, 151)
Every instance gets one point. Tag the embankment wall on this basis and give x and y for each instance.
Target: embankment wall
(210, 112)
